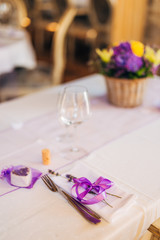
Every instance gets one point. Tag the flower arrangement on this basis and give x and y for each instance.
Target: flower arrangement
(129, 60)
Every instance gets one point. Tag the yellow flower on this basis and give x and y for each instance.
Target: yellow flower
(150, 54)
(105, 54)
(137, 48)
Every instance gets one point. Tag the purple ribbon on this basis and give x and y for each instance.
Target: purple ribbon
(97, 188)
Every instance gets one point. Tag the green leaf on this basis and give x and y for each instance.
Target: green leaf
(141, 71)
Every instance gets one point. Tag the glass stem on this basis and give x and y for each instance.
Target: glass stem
(74, 147)
(68, 132)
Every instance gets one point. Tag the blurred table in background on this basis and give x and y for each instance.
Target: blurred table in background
(15, 49)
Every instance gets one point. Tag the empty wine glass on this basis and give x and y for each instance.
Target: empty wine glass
(74, 110)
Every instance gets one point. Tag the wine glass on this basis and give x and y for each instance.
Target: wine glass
(74, 110)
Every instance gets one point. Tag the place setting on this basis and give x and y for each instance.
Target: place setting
(94, 191)
(93, 196)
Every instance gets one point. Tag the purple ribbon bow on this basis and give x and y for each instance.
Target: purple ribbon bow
(97, 188)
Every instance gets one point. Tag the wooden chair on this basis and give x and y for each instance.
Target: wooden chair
(153, 232)
(100, 15)
(155, 229)
(95, 30)
(70, 29)
(59, 44)
(61, 6)
(146, 236)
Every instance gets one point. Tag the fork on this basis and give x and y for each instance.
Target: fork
(88, 214)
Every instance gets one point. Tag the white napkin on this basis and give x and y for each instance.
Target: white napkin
(119, 205)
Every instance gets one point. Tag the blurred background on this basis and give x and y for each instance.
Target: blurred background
(48, 42)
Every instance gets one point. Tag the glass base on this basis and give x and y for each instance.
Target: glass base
(74, 153)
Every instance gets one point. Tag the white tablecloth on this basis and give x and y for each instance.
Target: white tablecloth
(131, 160)
(16, 50)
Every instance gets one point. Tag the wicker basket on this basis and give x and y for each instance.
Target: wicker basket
(126, 92)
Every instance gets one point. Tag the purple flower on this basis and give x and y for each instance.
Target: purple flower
(125, 59)
(120, 60)
(123, 48)
(4, 173)
(134, 63)
(121, 54)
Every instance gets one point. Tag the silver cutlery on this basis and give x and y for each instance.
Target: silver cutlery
(88, 214)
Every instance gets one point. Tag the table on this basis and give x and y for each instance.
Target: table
(16, 49)
(131, 159)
